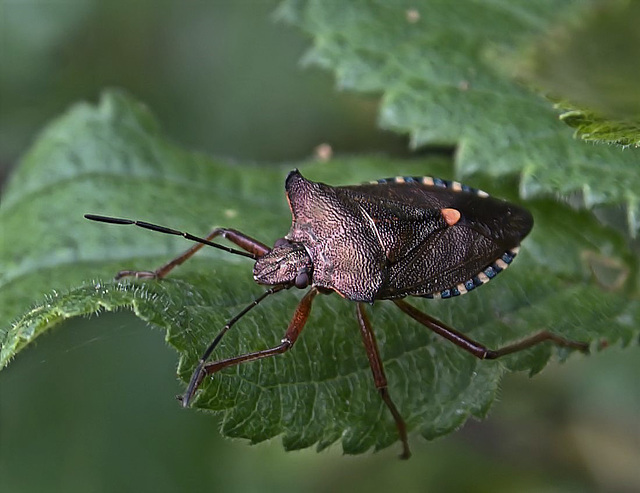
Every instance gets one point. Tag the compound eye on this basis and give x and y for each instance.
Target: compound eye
(302, 280)
(281, 242)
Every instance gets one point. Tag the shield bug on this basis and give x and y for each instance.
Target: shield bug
(385, 240)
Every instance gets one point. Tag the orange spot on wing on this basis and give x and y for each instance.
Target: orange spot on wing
(451, 216)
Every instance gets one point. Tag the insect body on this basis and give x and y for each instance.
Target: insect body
(384, 240)
(395, 238)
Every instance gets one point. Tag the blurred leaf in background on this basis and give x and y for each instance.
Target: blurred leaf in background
(592, 64)
(222, 76)
(84, 401)
(442, 78)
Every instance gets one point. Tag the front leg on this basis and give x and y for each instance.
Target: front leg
(296, 325)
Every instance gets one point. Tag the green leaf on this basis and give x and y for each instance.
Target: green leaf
(573, 276)
(593, 127)
(590, 62)
(440, 69)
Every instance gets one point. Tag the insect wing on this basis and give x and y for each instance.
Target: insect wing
(427, 256)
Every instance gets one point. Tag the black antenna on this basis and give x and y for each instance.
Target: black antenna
(198, 373)
(169, 231)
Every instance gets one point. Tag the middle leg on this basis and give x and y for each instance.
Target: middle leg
(380, 379)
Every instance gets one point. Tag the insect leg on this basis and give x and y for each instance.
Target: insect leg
(243, 241)
(296, 325)
(477, 349)
(369, 339)
(196, 377)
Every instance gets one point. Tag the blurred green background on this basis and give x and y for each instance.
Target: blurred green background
(90, 407)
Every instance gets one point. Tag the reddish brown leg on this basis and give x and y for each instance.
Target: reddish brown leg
(477, 349)
(296, 325)
(369, 339)
(243, 241)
